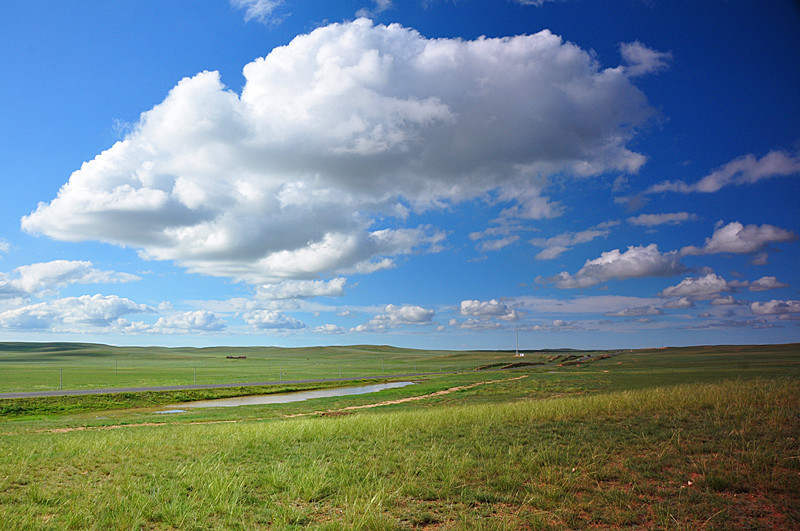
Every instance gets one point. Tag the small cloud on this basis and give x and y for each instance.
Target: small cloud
(643, 60)
(475, 324)
(488, 309)
(379, 7)
(496, 245)
(328, 329)
(272, 320)
(555, 246)
(681, 302)
(744, 170)
(652, 220)
(557, 325)
(395, 316)
(637, 311)
(187, 322)
(732, 323)
(259, 10)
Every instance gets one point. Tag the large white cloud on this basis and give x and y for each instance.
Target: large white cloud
(47, 277)
(704, 287)
(775, 307)
(766, 283)
(346, 125)
(290, 289)
(191, 321)
(74, 313)
(698, 288)
(740, 239)
(636, 262)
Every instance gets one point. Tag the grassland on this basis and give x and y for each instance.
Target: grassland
(53, 366)
(690, 438)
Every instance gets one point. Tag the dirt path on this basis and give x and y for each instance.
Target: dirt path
(343, 410)
(403, 400)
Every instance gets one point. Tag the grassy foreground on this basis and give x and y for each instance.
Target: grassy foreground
(584, 447)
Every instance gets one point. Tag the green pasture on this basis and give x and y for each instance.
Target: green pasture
(54, 366)
(689, 438)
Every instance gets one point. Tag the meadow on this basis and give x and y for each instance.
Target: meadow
(54, 366)
(683, 438)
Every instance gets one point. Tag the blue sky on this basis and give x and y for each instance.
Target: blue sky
(432, 174)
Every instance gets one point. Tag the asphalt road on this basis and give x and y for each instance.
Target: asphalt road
(75, 392)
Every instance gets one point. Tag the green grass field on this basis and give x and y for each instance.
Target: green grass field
(51, 366)
(684, 438)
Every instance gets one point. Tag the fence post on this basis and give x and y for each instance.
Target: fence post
(60, 379)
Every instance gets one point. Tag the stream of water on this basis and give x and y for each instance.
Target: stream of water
(282, 398)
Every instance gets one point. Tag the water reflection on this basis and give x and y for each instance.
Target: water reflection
(283, 398)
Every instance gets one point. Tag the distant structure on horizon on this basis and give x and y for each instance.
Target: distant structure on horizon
(516, 350)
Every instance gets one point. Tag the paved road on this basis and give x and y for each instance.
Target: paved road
(75, 392)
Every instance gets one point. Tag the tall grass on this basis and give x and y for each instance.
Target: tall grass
(615, 459)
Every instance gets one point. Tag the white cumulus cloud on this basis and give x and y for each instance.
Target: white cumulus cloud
(636, 262)
(272, 320)
(73, 313)
(394, 316)
(191, 321)
(775, 307)
(291, 289)
(349, 124)
(766, 283)
(740, 239)
(704, 287)
(47, 277)
(489, 309)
